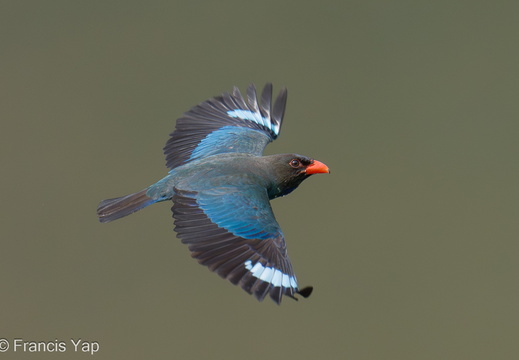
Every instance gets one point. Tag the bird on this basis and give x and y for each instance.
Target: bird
(221, 185)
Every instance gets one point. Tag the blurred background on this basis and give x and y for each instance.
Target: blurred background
(411, 242)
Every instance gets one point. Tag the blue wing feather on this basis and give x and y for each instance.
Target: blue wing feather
(240, 214)
(231, 139)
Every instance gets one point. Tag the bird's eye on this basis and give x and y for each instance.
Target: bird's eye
(295, 163)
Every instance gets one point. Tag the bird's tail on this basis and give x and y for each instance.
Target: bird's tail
(113, 209)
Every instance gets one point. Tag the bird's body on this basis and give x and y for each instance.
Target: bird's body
(224, 169)
(221, 184)
(212, 171)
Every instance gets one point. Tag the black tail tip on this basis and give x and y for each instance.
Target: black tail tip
(306, 291)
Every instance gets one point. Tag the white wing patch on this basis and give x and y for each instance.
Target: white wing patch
(255, 117)
(271, 275)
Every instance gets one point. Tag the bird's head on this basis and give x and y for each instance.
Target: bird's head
(289, 170)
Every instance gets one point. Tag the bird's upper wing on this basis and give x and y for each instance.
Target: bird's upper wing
(232, 230)
(225, 124)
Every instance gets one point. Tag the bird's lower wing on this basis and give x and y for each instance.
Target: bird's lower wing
(237, 237)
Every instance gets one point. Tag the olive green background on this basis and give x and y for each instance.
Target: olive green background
(411, 242)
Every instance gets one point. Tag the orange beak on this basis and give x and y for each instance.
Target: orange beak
(317, 167)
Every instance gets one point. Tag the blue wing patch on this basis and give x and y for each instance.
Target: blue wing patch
(231, 139)
(227, 123)
(244, 211)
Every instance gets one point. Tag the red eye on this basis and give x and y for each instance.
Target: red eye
(295, 163)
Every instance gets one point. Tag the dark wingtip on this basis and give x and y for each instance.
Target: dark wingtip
(252, 97)
(266, 100)
(306, 292)
(279, 107)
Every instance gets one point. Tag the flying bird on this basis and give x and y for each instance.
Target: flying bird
(221, 186)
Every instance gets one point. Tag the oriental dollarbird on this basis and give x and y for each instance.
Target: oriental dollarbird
(221, 184)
